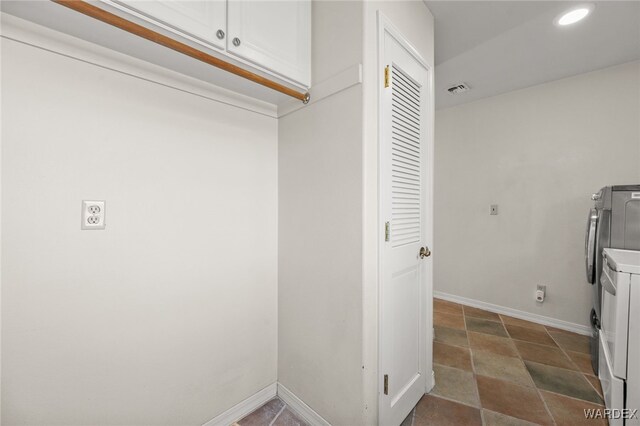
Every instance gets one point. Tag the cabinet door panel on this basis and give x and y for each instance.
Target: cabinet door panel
(273, 34)
(198, 19)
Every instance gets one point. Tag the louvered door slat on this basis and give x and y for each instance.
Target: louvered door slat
(407, 111)
(407, 105)
(406, 147)
(405, 160)
(398, 109)
(407, 125)
(403, 108)
(402, 133)
(406, 156)
(401, 79)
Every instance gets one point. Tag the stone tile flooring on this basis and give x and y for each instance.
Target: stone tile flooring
(496, 370)
(492, 370)
(272, 413)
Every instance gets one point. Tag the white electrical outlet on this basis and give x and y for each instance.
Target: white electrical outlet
(540, 293)
(93, 214)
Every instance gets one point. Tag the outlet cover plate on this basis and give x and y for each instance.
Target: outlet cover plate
(93, 214)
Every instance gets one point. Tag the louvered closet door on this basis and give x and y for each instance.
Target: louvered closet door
(403, 307)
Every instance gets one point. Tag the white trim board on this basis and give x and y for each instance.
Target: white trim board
(302, 409)
(245, 407)
(540, 319)
(38, 36)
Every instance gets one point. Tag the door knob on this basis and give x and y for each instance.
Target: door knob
(424, 252)
(220, 34)
(236, 41)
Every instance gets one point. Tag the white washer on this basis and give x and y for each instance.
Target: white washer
(619, 361)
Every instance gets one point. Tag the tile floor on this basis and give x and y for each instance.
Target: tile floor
(273, 413)
(496, 370)
(492, 370)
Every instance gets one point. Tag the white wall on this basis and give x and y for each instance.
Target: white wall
(320, 275)
(539, 153)
(169, 315)
(320, 230)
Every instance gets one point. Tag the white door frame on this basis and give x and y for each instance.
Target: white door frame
(385, 26)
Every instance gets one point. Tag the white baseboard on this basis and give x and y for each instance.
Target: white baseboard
(540, 319)
(302, 409)
(256, 400)
(245, 407)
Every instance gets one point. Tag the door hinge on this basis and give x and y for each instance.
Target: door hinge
(386, 76)
(386, 384)
(386, 231)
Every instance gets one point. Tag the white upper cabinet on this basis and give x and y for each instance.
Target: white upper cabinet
(270, 36)
(204, 21)
(273, 34)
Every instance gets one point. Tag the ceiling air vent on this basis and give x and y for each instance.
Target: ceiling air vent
(458, 88)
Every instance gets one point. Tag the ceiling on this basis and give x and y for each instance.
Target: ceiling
(499, 46)
(493, 46)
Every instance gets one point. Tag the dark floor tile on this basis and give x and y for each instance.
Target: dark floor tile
(494, 344)
(485, 326)
(569, 411)
(446, 307)
(501, 367)
(263, 415)
(582, 361)
(491, 418)
(565, 382)
(530, 335)
(289, 418)
(543, 354)
(451, 336)
(572, 341)
(434, 411)
(521, 323)
(455, 384)
(512, 400)
(595, 383)
(442, 319)
(481, 313)
(451, 356)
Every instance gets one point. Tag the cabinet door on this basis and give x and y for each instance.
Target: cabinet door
(275, 35)
(199, 20)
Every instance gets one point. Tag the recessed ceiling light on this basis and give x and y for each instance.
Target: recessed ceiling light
(574, 15)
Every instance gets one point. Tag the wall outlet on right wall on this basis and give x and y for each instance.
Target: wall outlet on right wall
(540, 293)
